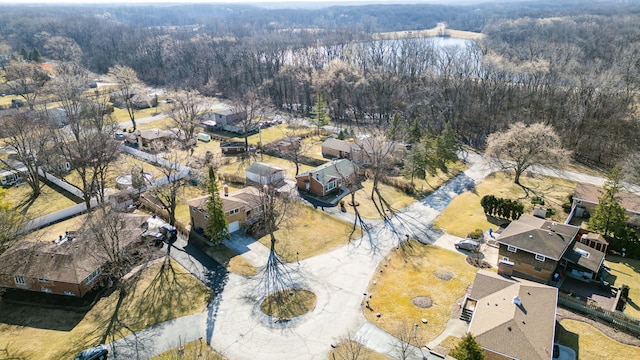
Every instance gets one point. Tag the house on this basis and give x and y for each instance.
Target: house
(531, 247)
(336, 148)
(227, 120)
(233, 147)
(70, 265)
(239, 207)
(511, 319)
(288, 143)
(587, 196)
(326, 178)
(156, 138)
(261, 173)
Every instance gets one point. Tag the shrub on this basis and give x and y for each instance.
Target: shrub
(400, 184)
(476, 234)
(536, 200)
(566, 207)
(550, 212)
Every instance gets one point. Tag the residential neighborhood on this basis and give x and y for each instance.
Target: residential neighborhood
(353, 184)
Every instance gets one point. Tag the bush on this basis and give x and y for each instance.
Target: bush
(400, 184)
(536, 200)
(233, 179)
(476, 234)
(566, 207)
(550, 212)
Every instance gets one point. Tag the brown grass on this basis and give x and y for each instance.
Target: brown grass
(191, 350)
(309, 232)
(38, 333)
(408, 272)
(593, 344)
(289, 304)
(232, 261)
(465, 214)
(48, 202)
(349, 349)
(627, 271)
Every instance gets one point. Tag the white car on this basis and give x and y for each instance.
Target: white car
(468, 244)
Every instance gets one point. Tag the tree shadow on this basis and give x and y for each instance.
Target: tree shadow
(568, 338)
(10, 352)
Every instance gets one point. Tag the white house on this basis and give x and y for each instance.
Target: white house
(264, 174)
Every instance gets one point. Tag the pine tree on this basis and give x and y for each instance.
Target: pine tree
(35, 56)
(319, 113)
(467, 349)
(24, 54)
(217, 229)
(609, 216)
(447, 147)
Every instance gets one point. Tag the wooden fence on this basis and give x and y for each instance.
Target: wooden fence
(616, 318)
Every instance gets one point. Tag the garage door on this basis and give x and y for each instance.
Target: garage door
(234, 226)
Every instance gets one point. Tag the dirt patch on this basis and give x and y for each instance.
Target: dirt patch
(443, 275)
(475, 262)
(423, 302)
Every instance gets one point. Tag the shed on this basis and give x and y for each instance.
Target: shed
(264, 174)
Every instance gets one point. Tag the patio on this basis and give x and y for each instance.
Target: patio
(605, 297)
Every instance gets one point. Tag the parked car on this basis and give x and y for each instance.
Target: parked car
(95, 353)
(468, 244)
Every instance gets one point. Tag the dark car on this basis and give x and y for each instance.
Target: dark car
(468, 244)
(95, 353)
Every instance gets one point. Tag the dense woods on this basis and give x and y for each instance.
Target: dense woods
(570, 66)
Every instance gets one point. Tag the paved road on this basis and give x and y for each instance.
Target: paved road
(234, 325)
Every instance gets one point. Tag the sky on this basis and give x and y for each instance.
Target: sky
(184, 1)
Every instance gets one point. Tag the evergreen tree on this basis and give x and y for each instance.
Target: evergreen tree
(447, 147)
(415, 163)
(467, 349)
(24, 54)
(319, 113)
(35, 56)
(609, 216)
(394, 129)
(217, 229)
(415, 131)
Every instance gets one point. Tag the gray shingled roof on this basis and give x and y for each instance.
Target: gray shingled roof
(585, 256)
(335, 169)
(539, 236)
(263, 169)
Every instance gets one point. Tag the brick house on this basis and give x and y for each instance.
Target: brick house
(326, 178)
(511, 319)
(70, 265)
(534, 246)
(239, 207)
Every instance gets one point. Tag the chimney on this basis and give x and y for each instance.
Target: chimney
(225, 189)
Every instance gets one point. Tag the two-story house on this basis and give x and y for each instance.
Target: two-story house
(239, 207)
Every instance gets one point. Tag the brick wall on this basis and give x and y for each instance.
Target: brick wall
(526, 264)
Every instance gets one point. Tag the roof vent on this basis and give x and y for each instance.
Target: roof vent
(516, 300)
(530, 236)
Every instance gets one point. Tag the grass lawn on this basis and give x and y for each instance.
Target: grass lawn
(349, 349)
(231, 260)
(121, 115)
(397, 198)
(286, 304)
(313, 147)
(591, 343)
(238, 166)
(161, 294)
(627, 271)
(191, 350)
(465, 214)
(52, 231)
(48, 202)
(160, 123)
(309, 232)
(412, 271)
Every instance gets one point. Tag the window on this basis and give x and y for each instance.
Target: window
(504, 258)
(46, 290)
(92, 276)
(43, 280)
(539, 257)
(19, 280)
(331, 185)
(512, 248)
(537, 268)
(234, 211)
(70, 293)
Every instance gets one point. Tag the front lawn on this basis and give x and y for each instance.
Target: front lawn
(162, 293)
(464, 214)
(592, 344)
(627, 271)
(238, 165)
(191, 350)
(413, 271)
(309, 232)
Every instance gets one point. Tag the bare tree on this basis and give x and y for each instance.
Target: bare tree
(10, 222)
(522, 146)
(26, 80)
(252, 108)
(348, 348)
(129, 84)
(185, 112)
(26, 135)
(166, 190)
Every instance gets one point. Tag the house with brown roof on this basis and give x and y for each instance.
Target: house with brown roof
(72, 264)
(532, 247)
(512, 319)
(239, 207)
(340, 149)
(326, 178)
(587, 196)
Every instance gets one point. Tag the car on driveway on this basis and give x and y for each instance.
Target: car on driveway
(95, 353)
(468, 244)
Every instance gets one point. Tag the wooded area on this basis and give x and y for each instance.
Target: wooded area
(570, 66)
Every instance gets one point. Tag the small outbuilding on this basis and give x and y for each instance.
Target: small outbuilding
(264, 174)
